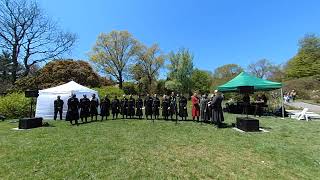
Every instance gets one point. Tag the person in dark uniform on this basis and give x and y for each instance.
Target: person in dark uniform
(139, 106)
(84, 106)
(246, 103)
(183, 111)
(131, 107)
(124, 107)
(73, 109)
(165, 107)
(105, 108)
(58, 107)
(94, 104)
(217, 113)
(115, 106)
(148, 102)
(259, 103)
(203, 108)
(156, 107)
(173, 110)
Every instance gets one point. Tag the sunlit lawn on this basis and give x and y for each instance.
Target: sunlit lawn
(135, 149)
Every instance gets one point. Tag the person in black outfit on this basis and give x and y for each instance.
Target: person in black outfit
(148, 102)
(246, 103)
(58, 107)
(259, 103)
(217, 113)
(183, 111)
(73, 109)
(115, 106)
(165, 107)
(204, 108)
(156, 106)
(94, 104)
(105, 108)
(131, 107)
(139, 106)
(124, 107)
(84, 106)
(173, 110)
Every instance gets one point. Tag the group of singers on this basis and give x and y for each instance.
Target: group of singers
(171, 106)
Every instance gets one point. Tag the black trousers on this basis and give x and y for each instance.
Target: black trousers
(56, 113)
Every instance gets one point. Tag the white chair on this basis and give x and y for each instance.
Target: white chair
(301, 115)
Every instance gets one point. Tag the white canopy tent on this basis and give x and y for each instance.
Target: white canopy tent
(45, 101)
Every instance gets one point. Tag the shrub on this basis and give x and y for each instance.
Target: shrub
(110, 91)
(14, 105)
(129, 88)
(305, 87)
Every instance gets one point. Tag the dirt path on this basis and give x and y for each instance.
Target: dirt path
(311, 107)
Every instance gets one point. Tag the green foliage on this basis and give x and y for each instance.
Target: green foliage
(307, 61)
(111, 91)
(129, 88)
(173, 85)
(201, 81)
(305, 87)
(180, 70)
(14, 105)
(59, 72)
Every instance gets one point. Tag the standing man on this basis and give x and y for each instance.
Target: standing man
(148, 102)
(105, 108)
(58, 107)
(183, 111)
(124, 106)
(165, 107)
(84, 106)
(131, 107)
(217, 113)
(195, 107)
(115, 106)
(139, 106)
(173, 110)
(73, 109)
(156, 106)
(203, 108)
(94, 104)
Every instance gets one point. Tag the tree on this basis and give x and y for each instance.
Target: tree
(307, 61)
(262, 68)
(180, 70)
(113, 52)
(225, 73)
(29, 35)
(59, 72)
(201, 81)
(150, 60)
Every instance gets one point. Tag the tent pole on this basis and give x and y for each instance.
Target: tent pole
(282, 105)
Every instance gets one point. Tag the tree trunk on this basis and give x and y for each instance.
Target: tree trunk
(120, 80)
(15, 63)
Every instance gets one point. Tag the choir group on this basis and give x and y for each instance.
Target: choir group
(171, 107)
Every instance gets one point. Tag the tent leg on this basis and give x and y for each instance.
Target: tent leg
(282, 105)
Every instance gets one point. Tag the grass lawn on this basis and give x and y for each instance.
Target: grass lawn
(135, 149)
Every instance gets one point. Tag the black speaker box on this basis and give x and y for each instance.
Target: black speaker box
(247, 124)
(31, 93)
(246, 89)
(28, 123)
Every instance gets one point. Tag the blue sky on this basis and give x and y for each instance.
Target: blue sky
(217, 32)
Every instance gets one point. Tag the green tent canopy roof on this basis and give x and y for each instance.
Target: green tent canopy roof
(245, 79)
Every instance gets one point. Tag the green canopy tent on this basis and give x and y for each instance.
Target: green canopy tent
(245, 79)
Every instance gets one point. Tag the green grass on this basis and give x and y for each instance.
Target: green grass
(139, 149)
